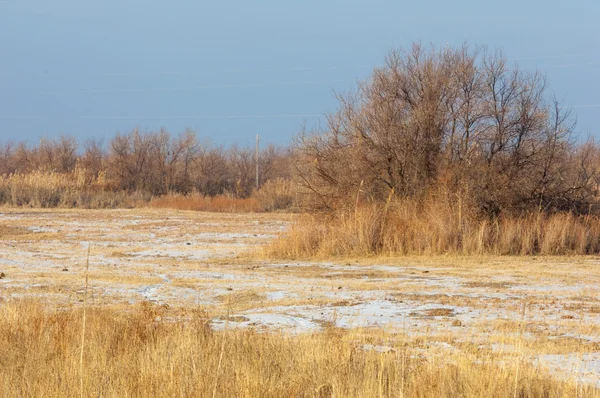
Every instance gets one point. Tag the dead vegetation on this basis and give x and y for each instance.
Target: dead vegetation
(401, 307)
(140, 352)
(221, 204)
(446, 151)
(176, 171)
(406, 228)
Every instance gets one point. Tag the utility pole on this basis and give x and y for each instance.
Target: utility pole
(256, 159)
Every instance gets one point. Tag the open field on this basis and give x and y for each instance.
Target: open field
(541, 311)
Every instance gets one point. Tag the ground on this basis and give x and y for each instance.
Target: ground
(543, 309)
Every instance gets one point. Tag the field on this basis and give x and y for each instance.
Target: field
(531, 322)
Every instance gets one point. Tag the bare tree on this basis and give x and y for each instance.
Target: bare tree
(93, 158)
(242, 168)
(453, 121)
(7, 158)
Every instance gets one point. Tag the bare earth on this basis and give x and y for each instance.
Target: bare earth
(544, 309)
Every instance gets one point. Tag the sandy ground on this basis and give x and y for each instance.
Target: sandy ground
(546, 310)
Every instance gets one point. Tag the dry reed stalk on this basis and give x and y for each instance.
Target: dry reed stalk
(222, 351)
(519, 347)
(87, 267)
(579, 356)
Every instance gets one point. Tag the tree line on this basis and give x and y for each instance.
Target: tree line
(458, 126)
(155, 163)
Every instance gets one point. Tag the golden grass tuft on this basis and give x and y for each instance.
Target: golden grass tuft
(408, 229)
(147, 351)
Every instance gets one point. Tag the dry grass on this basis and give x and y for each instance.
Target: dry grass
(78, 190)
(49, 189)
(155, 350)
(11, 232)
(145, 352)
(279, 194)
(222, 204)
(408, 229)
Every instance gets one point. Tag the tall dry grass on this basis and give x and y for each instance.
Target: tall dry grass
(222, 204)
(274, 195)
(278, 194)
(406, 228)
(50, 189)
(146, 352)
(78, 190)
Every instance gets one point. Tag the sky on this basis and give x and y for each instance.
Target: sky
(234, 69)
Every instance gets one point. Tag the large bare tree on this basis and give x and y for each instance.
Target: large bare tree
(455, 122)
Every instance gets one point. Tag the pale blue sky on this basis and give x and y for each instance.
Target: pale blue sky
(232, 69)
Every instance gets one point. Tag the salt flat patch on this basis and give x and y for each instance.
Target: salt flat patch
(7, 261)
(38, 229)
(31, 261)
(555, 288)
(585, 337)
(300, 264)
(161, 293)
(198, 254)
(379, 313)
(212, 236)
(205, 275)
(270, 321)
(584, 368)
(150, 292)
(280, 295)
(361, 295)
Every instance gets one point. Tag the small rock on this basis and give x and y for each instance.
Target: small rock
(189, 243)
(339, 288)
(425, 272)
(2, 275)
(230, 288)
(456, 322)
(65, 269)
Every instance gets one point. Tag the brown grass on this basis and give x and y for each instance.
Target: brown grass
(221, 204)
(10, 231)
(145, 352)
(440, 312)
(77, 190)
(49, 189)
(408, 229)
